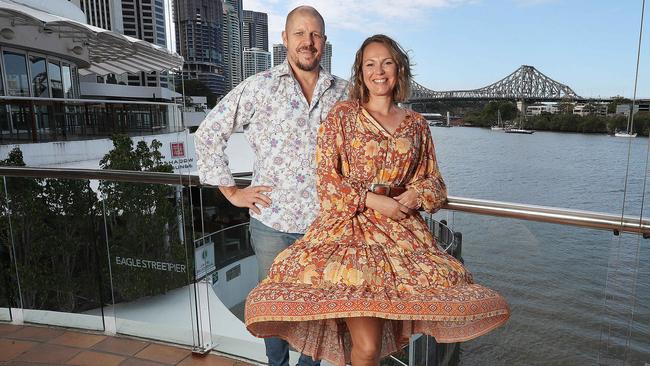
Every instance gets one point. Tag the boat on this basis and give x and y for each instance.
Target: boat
(625, 134)
(518, 130)
(499, 125)
(629, 128)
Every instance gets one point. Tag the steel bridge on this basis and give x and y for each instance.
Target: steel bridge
(524, 84)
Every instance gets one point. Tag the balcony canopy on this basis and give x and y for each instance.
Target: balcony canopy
(108, 52)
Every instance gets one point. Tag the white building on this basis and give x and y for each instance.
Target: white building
(537, 109)
(256, 60)
(585, 109)
(279, 54)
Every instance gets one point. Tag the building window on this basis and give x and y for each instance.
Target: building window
(16, 71)
(54, 71)
(67, 81)
(39, 77)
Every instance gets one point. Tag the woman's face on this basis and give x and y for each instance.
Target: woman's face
(379, 70)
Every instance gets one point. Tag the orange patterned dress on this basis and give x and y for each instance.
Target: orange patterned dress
(353, 261)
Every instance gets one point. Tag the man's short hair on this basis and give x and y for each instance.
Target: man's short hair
(305, 9)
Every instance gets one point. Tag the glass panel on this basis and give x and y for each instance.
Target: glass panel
(553, 276)
(7, 278)
(16, 71)
(39, 77)
(67, 81)
(55, 226)
(2, 86)
(54, 71)
(150, 271)
(226, 263)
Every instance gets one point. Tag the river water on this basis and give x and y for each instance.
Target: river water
(553, 276)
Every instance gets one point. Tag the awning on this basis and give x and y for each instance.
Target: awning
(110, 52)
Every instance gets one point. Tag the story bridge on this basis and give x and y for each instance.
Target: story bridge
(525, 84)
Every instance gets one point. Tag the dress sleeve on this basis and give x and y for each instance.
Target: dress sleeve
(340, 196)
(211, 138)
(427, 181)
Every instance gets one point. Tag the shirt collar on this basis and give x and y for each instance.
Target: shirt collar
(285, 70)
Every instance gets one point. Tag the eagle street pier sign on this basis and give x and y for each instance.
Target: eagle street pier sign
(147, 264)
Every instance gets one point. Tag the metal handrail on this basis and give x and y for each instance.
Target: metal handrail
(555, 215)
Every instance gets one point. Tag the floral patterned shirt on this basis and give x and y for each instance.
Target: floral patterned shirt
(281, 128)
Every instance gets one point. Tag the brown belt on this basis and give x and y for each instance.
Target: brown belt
(386, 190)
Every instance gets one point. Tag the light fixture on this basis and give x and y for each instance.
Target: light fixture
(77, 50)
(7, 33)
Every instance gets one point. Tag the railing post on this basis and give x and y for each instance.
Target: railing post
(203, 342)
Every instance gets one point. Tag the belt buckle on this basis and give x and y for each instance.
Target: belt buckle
(380, 185)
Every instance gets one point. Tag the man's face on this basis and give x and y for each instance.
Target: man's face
(305, 41)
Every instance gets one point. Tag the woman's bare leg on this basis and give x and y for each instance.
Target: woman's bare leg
(366, 335)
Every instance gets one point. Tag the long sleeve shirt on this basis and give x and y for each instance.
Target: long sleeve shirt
(281, 128)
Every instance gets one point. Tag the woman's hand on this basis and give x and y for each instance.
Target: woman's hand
(387, 206)
(409, 199)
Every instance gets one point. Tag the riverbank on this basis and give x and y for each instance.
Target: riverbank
(575, 123)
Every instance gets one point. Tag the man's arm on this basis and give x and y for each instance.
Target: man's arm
(211, 139)
(250, 196)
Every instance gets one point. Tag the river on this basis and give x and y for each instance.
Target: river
(553, 276)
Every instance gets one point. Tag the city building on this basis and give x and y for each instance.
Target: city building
(256, 60)
(279, 53)
(145, 20)
(326, 59)
(105, 14)
(255, 31)
(541, 108)
(642, 105)
(585, 109)
(199, 40)
(232, 42)
(44, 97)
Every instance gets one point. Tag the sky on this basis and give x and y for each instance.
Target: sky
(589, 45)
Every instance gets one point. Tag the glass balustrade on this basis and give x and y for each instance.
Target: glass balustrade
(174, 263)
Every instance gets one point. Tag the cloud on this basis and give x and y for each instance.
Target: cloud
(533, 2)
(363, 16)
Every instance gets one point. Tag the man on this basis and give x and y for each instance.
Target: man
(280, 110)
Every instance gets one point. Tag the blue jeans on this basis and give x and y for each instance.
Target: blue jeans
(267, 244)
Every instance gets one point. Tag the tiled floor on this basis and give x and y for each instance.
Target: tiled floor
(40, 346)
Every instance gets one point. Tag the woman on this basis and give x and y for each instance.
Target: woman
(368, 274)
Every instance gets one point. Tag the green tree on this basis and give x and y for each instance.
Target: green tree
(142, 223)
(53, 239)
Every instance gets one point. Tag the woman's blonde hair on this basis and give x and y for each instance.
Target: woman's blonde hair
(402, 89)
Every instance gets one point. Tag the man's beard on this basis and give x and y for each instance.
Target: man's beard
(307, 66)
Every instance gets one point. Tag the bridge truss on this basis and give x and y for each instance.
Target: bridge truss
(526, 83)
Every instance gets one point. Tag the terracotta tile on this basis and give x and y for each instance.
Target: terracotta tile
(140, 362)
(91, 358)
(206, 360)
(20, 363)
(163, 354)
(121, 346)
(10, 348)
(36, 334)
(6, 329)
(48, 353)
(77, 339)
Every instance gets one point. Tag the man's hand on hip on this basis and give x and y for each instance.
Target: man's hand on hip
(250, 196)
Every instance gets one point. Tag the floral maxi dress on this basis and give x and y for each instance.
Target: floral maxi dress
(354, 261)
